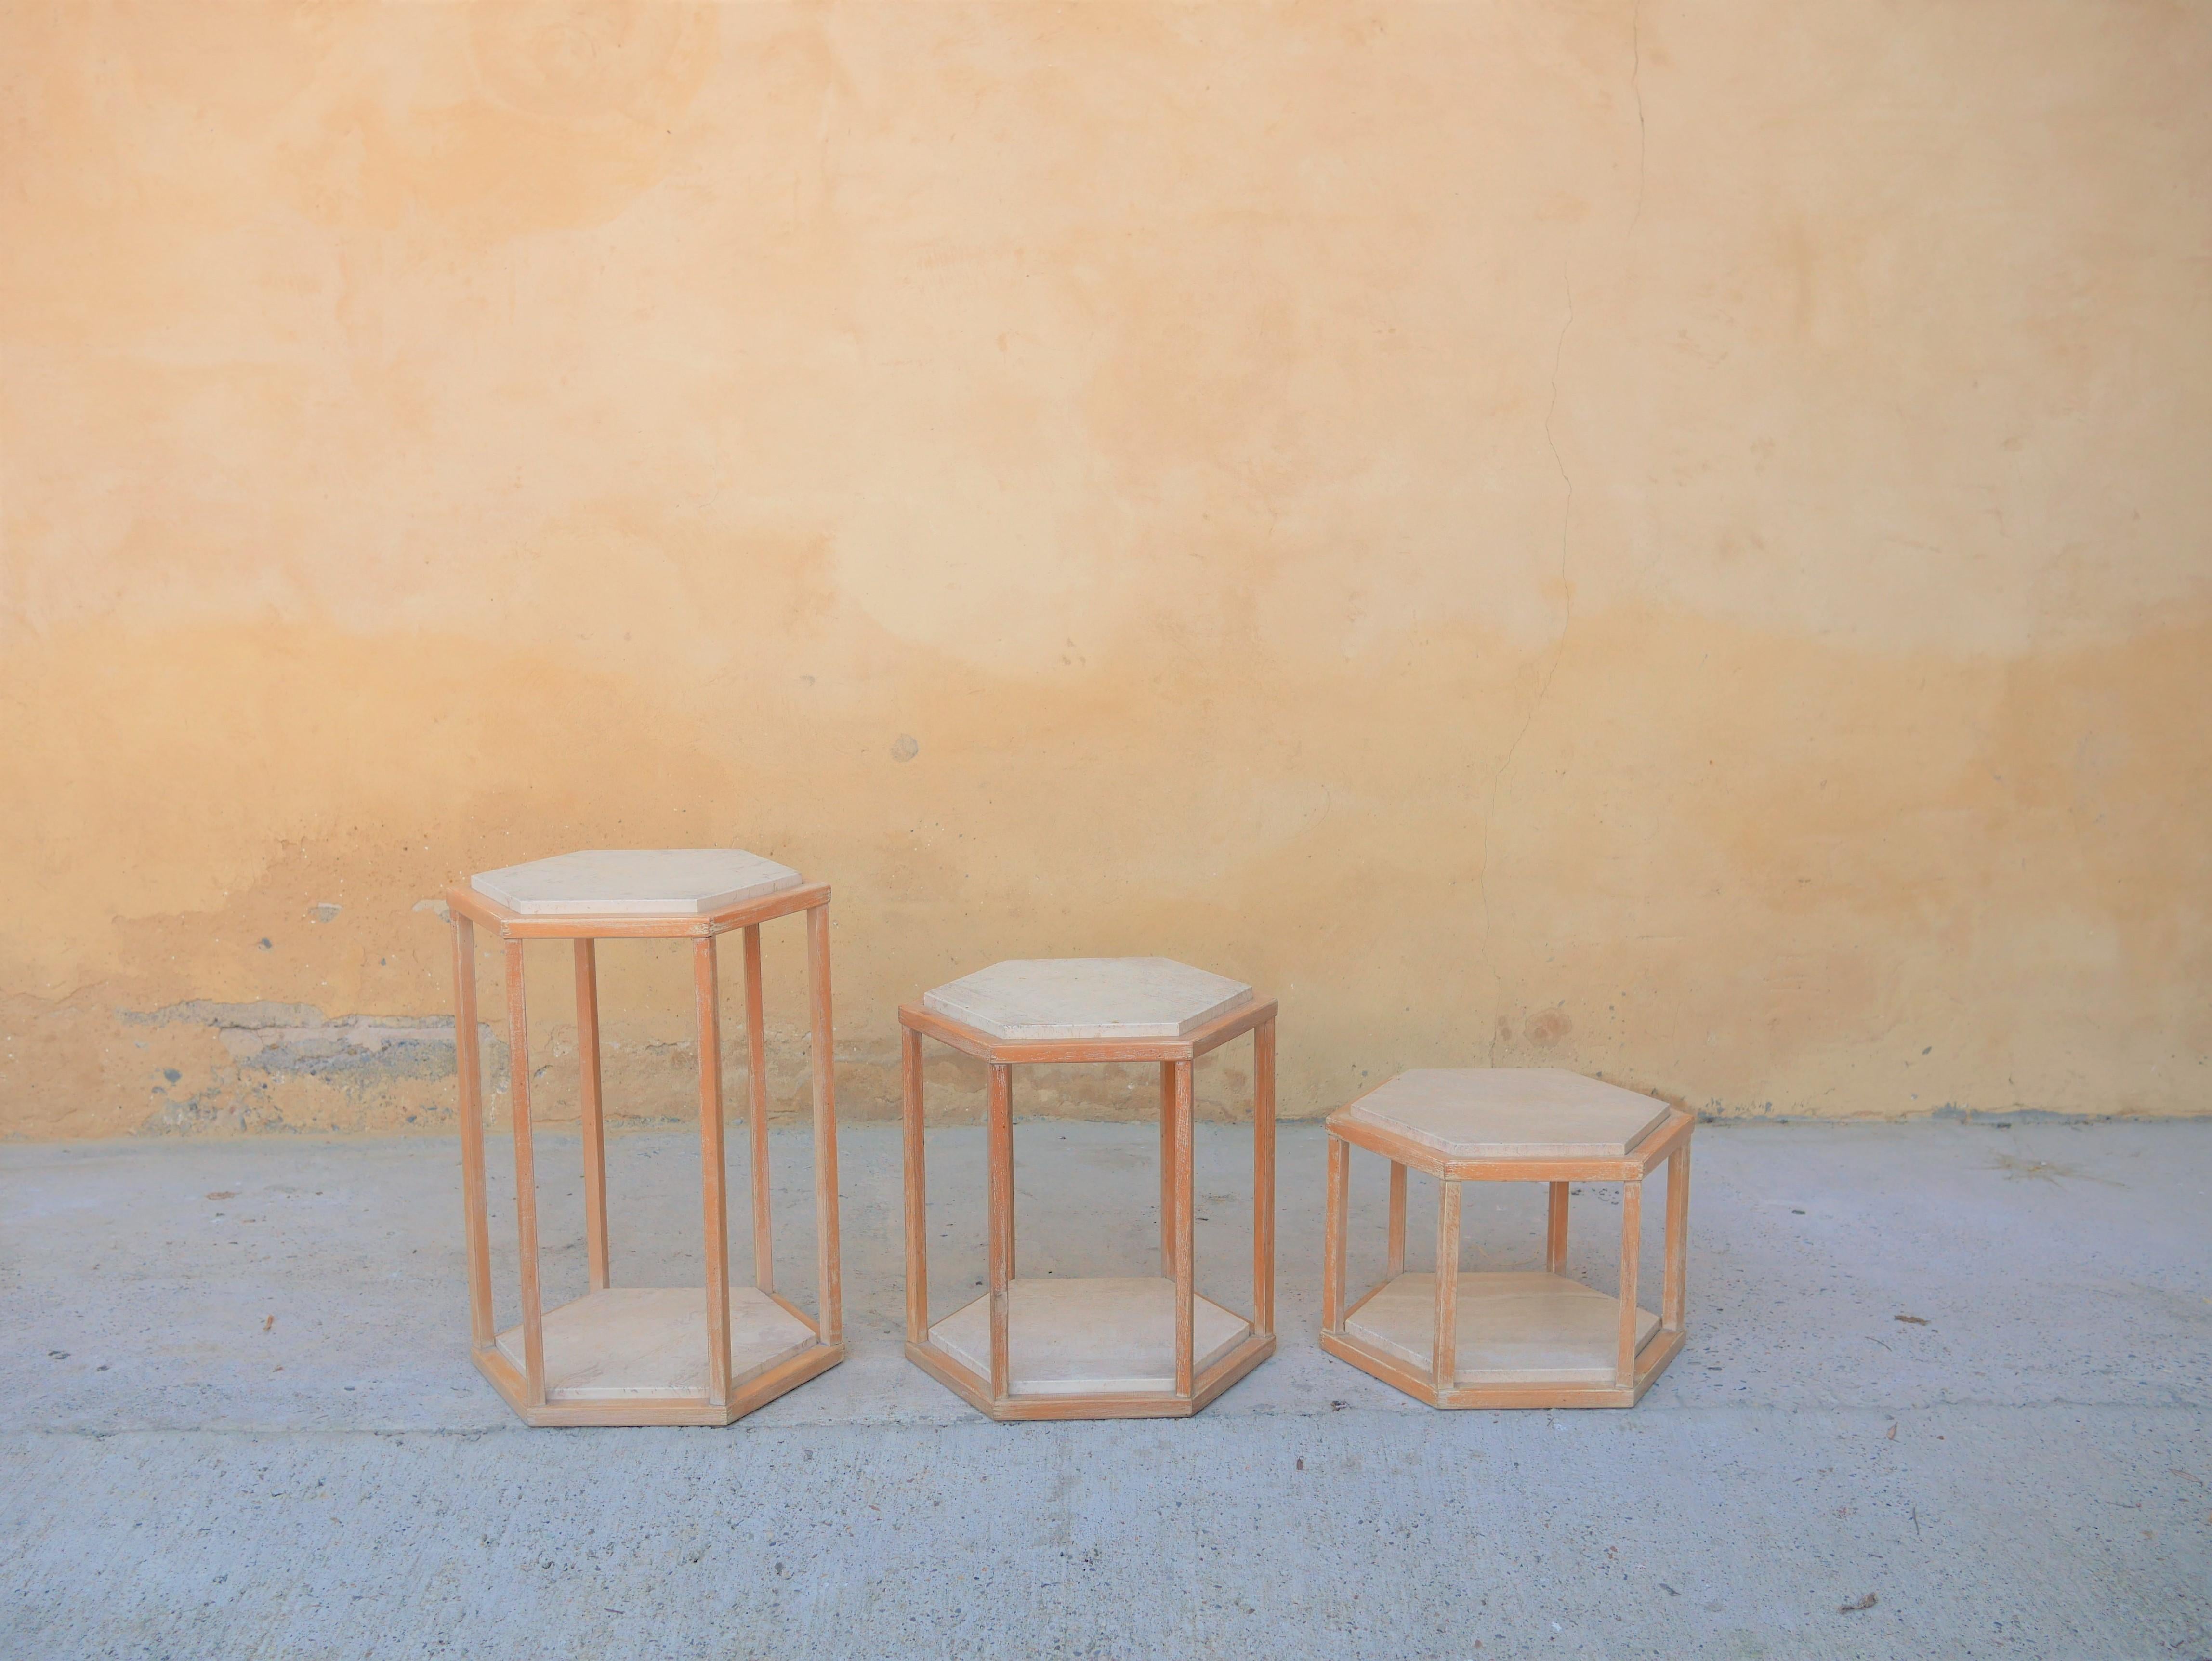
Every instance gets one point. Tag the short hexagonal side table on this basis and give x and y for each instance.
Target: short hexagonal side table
(645, 1355)
(1518, 1340)
(1102, 1348)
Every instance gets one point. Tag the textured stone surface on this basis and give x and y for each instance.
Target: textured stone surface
(1090, 1333)
(1515, 1327)
(237, 1418)
(624, 1342)
(663, 882)
(1088, 998)
(1508, 1112)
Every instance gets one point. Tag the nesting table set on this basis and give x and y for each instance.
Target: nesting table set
(1038, 1347)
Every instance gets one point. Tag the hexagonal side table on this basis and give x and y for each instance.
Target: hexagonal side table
(1100, 1347)
(645, 1355)
(1524, 1339)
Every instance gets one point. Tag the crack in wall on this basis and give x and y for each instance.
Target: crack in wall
(1558, 651)
(1566, 521)
(1636, 85)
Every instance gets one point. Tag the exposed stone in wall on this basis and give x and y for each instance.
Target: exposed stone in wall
(290, 1068)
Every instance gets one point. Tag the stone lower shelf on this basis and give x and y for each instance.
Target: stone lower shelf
(1528, 1328)
(1099, 1336)
(649, 1343)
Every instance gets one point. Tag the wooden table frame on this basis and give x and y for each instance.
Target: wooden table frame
(523, 1388)
(1177, 1059)
(1636, 1367)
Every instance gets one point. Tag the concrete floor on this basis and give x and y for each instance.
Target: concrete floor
(237, 1421)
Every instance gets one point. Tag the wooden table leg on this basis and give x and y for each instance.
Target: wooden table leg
(1555, 1231)
(713, 1178)
(1167, 1170)
(1186, 1258)
(1394, 1261)
(1334, 1217)
(827, 1268)
(1444, 1360)
(1632, 1241)
(917, 1192)
(1263, 1179)
(1675, 1289)
(525, 1176)
(593, 1113)
(468, 1073)
(757, 1109)
(1001, 1133)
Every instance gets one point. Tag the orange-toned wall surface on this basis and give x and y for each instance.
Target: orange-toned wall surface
(1665, 540)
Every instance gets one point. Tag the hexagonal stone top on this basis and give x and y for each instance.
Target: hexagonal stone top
(1509, 1113)
(1087, 998)
(635, 882)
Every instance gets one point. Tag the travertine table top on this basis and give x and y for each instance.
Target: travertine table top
(635, 882)
(1509, 1113)
(1087, 998)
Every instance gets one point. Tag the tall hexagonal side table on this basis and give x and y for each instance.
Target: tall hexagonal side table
(1099, 1347)
(645, 1355)
(1515, 1340)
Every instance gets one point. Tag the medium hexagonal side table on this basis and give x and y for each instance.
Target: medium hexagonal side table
(645, 1355)
(1100, 1347)
(1518, 1339)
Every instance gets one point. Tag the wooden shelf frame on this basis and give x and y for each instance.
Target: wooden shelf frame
(1177, 1059)
(1636, 1365)
(523, 1388)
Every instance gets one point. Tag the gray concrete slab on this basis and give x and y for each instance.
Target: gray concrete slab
(236, 1419)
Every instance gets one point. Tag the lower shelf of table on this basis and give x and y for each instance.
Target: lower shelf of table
(1514, 1328)
(1099, 1336)
(641, 1344)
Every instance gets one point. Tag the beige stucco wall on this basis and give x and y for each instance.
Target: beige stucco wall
(1663, 540)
